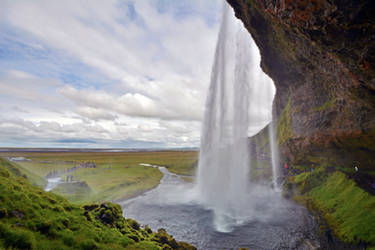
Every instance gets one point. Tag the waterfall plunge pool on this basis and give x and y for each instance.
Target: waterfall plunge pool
(274, 223)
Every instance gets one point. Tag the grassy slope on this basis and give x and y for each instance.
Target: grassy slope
(117, 183)
(19, 170)
(349, 210)
(33, 219)
(117, 176)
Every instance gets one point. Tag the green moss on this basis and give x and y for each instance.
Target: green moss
(17, 238)
(327, 105)
(348, 209)
(301, 177)
(284, 129)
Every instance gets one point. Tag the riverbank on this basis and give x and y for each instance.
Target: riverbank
(345, 211)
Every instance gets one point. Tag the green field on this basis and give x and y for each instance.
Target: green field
(31, 218)
(117, 175)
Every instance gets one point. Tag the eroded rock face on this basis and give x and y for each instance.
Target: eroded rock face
(321, 56)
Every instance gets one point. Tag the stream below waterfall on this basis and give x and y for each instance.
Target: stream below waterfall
(277, 223)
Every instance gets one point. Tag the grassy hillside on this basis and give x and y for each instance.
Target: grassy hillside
(117, 175)
(348, 209)
(21, 171)
(33, 219)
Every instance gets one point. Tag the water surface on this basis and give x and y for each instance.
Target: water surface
(272, 224)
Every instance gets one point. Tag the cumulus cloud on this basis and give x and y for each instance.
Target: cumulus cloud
(116, 71)
(176, 52)
(98, 103)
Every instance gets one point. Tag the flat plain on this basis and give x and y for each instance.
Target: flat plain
(117, 175)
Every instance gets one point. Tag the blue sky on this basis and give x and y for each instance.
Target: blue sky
(112, 73)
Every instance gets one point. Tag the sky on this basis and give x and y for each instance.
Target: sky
(106, 74)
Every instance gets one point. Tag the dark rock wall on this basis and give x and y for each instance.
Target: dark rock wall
(321, 56)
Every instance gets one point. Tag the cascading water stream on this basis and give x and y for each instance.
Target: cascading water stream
(223, 171)
(236, 80)
(274, 156)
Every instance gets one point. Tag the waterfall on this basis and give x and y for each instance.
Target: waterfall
(239, 99)
(274, 156)
(223, 171)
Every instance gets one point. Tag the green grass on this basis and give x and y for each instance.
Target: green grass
(20, 171)
(349, 210)
(76, 192)
(31, 218)
(284, 130)
(118, 176)
(117, 182)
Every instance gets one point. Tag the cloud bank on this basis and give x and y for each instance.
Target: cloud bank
(110, 73)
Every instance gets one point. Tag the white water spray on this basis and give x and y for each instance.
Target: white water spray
(274, 156)
(236, 82)
(223, 171)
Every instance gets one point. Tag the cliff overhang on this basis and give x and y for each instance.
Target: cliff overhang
(321, 56)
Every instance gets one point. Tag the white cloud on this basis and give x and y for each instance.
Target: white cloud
(95, 114)
(151, 60)
(133, 104)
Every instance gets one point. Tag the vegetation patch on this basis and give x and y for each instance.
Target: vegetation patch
(16, 169)
(73, 191)
(284, 129)
(116, 176)
(327, 105)
(31, 218)
(348, 209)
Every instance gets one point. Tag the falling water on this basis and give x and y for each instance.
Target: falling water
(223, 171)
(252, 215)
(274, 156)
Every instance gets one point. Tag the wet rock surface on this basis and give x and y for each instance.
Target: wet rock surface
(321, 56)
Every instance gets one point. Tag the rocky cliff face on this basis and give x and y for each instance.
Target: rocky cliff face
(321, 56)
